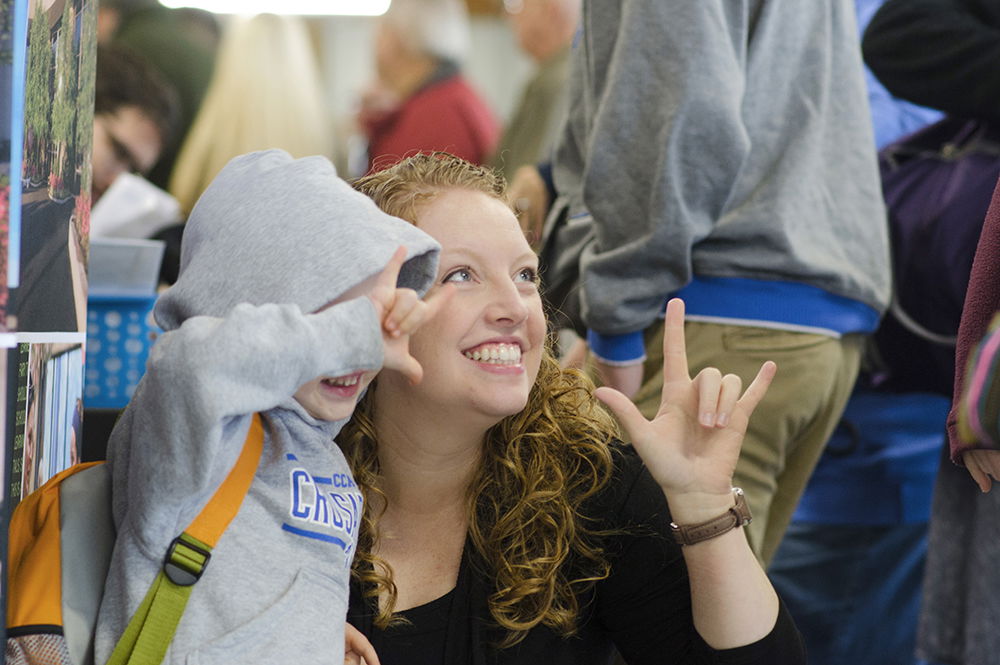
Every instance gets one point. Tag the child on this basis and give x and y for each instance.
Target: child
(268, 315)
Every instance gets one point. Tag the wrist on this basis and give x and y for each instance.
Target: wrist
(693, 507)
(707, 521)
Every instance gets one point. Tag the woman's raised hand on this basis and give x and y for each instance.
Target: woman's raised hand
(401, 312)
(692, 444)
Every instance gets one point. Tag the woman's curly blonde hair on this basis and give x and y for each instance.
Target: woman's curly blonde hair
(538, 469)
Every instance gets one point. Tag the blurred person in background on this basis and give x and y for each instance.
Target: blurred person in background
(892, 117)
(266, 93)
(179, 43)
(945, 54)
(135, 116)
(544, 31)
(420, 101)
(867, 505)
(698, 163)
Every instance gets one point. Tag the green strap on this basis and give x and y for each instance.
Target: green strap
(152, 627)
(149, 633)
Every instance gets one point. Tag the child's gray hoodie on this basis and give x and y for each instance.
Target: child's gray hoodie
(271, 240)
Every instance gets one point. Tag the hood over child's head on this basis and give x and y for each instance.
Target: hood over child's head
(272, 229)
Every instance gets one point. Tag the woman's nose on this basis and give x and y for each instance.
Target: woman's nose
(507, 306)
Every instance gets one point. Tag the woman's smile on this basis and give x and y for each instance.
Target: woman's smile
(497, 357)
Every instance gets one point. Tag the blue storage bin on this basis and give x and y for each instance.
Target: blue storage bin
(120, 332)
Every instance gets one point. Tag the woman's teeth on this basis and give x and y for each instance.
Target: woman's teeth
(497, 354)
(343, 380)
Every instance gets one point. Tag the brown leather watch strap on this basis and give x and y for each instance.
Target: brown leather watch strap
(738, 515)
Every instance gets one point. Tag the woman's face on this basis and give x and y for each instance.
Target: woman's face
(483, 349)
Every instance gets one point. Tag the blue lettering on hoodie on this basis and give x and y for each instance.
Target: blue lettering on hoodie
(324, 508)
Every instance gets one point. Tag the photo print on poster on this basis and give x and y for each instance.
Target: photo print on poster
(51, 291)
(48, 414)
(12, 13)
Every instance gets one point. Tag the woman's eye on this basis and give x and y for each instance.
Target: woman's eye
(459, 275)
(527, 275)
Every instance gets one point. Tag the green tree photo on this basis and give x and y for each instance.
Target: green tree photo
(38, 98)
(6, 32)
(85, 97)
(64, 106)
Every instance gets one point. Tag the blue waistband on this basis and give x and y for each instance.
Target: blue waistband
(788, 305)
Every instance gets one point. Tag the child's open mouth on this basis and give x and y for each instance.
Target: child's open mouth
(343, 386)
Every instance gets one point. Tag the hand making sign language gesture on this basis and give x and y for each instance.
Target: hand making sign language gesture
(401, 312)
(691, 448)
(692, 445)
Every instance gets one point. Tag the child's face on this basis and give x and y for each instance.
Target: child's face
(333, 398)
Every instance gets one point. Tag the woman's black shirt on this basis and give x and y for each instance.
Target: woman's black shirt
(643, 609)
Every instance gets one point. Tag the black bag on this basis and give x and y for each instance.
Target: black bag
(937, 184)
(563, 241)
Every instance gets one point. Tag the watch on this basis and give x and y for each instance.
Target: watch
(738, 515)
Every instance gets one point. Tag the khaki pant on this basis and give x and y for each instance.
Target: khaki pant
(791, 425)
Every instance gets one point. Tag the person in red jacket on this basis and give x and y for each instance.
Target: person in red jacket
(421, 102)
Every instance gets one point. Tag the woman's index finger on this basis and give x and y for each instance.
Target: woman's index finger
(675, 364)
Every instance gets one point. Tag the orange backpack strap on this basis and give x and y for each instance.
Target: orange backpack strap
(152, 628)
(210, 524)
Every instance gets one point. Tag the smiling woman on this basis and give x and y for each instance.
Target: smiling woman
(503, 521)
(496, 313)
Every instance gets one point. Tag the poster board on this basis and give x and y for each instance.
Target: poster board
(47, 71)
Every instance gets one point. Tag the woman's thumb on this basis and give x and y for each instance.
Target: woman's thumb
(627, 413)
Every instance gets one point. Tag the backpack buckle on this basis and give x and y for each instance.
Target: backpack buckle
(185, 561)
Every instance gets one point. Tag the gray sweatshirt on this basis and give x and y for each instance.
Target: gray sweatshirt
(270, 240)
(720, 141)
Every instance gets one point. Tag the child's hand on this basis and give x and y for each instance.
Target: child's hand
(401, 312)
(357, 649)
(692, 445)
